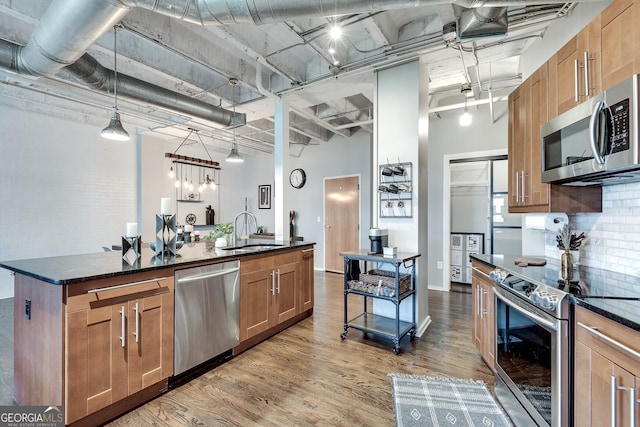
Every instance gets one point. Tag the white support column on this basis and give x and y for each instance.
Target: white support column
(281, 169)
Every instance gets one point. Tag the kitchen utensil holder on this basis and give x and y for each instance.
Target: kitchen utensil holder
(166, 226)
(131, 249)
(395, 194)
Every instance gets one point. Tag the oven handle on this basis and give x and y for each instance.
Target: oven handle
(544, 322)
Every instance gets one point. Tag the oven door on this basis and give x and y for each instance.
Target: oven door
(531, 376)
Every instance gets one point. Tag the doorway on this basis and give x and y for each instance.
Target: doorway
(341, 220)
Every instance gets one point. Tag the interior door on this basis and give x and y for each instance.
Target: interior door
(341, 220)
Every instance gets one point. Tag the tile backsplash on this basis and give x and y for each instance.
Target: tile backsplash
(613, 236)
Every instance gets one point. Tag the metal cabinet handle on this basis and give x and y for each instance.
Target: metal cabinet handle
(123, 339)
(517, 187)
(93, 291)
(278, 280)
(575, 81)
(611, 341)
(632, 403)
(522, 183)
(136, 333)
(273, 282)
(614, 402)
(477, 270)
(481, 297)
(586, 74)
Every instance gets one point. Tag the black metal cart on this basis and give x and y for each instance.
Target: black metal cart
(392, 328)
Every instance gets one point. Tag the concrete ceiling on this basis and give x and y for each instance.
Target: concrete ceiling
(328, 93)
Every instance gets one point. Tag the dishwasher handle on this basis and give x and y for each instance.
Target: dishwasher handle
(208, 275)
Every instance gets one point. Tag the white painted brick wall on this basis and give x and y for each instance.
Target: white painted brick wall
(613, 236)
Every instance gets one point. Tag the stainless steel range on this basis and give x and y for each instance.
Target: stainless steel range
(532, 350)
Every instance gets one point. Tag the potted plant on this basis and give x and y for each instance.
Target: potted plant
(221, 234)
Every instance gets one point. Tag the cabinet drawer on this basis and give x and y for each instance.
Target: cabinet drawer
(485, 268)
(107, 293)
(612, 340)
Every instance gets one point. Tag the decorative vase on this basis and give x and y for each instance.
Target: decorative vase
(567, 266)
(221, 242)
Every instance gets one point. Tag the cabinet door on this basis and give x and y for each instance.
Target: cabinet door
(285, 299)
(568, 66)
(594, 391)
(488, 329)
(306, 280)
(150, 340)
(96, 368)
(536, 192)
(620, 41)
(256, 293)
(516, 142)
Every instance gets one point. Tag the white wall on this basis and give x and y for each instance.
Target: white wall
(63, 189)
(447, 137)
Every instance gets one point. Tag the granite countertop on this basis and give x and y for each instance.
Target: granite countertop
(611, 294)
(64, 270)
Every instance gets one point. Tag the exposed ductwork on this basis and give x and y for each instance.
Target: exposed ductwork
(69, 27)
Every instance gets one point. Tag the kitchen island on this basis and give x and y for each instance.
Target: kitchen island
(96, 334)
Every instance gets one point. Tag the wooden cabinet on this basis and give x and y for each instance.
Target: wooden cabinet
(99, 347)
(607, 368)
(483, 327)
(274, 289)
(119, 340)
(528, 110)
(620, 42)
(306, 284)
(576, 70)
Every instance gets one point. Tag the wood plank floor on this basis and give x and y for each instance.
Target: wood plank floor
(306, 375)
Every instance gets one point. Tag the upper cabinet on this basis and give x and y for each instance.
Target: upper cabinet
(620, 42)
(575, 70)
(528, 110)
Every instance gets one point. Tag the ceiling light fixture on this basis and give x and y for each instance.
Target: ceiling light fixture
(114, 129)
(465, 118)
(335, 31)
(234, 156)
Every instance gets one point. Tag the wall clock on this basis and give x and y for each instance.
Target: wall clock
(191, 219)
(297, 178)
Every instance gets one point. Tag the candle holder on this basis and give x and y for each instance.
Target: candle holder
(166, 226)
(131, 249)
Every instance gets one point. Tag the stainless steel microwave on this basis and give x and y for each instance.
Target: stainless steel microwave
(596, 142)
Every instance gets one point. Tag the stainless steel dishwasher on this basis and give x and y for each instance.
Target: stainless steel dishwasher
(207, 311)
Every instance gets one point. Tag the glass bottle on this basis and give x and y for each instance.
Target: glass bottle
(567, 265)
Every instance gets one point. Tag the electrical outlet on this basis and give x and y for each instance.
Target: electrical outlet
(439, 265)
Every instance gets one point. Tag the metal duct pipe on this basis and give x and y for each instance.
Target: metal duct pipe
(87, 70)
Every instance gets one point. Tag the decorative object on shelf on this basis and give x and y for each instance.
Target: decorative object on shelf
(395, 190)
(131, 244)
(298, 178)
(190, 219)
(114, 129)
(234, 156)
(210, 216)
(264, 196)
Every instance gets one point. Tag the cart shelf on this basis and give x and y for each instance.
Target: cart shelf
(388, 327)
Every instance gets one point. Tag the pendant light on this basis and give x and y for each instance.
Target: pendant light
(234, 156)
(465, 118)
(114, 129)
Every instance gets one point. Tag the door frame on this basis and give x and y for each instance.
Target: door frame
(446, 206)
(324, 198)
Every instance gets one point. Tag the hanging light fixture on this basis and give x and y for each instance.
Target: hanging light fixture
(234, 156)
(465, 118)
(114, 129)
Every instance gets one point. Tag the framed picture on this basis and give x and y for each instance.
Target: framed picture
(264, 196)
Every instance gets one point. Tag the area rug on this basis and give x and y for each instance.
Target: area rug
(438, 401)
(540, 398)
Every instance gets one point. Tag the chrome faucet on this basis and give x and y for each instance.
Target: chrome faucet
(247, 215)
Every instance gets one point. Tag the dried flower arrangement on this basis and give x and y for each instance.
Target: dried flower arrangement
(567, 240)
